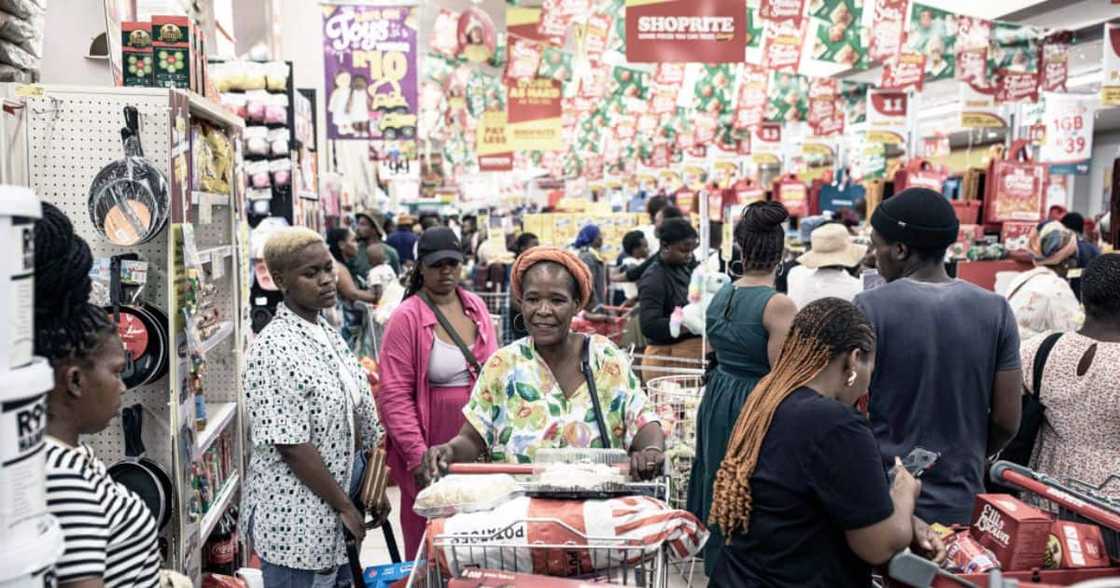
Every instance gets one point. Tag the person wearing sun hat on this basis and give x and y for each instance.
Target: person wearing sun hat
(947, 374)
(1042, 299)
(369, 226)
(825, 269)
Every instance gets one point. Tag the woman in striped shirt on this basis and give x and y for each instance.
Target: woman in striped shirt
(110, 534)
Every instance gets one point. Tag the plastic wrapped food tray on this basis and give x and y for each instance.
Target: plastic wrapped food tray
(455, 494)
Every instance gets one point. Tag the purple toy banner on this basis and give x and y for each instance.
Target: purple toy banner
(369, 54)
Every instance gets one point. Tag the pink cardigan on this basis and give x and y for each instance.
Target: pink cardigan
(406, 349)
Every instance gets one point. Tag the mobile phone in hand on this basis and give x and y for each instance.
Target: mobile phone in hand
(919, 460)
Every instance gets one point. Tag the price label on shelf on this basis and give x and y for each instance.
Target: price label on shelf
(1068, 141)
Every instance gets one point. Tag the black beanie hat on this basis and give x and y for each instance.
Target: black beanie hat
(1074, 222)
(917, 217)
(675, 230)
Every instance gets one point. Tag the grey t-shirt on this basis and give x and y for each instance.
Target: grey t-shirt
(939, 348)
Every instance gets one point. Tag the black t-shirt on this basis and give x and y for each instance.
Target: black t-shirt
(818, 475)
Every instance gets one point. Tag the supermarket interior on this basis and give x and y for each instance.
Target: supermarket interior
(559, 293)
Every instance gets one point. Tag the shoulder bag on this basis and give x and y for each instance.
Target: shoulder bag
(585, 367)
(1020, 448)
(476, 368)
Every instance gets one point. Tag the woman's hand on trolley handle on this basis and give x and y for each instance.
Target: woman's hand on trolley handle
(465, 447)
(647, 454)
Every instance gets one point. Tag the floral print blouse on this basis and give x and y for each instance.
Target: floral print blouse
(517, 405)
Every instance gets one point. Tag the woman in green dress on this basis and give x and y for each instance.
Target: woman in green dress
(747, 323)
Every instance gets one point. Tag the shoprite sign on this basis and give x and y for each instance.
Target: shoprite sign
(369, 55)
(684, 31)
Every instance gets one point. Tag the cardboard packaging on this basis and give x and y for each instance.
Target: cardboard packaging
(1016, 532)
(478, 578)
(136, 53)
(1075, 545)
(171, 39)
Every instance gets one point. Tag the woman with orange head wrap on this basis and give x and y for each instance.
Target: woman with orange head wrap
(537, 393)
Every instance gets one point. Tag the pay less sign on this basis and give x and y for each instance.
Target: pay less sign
(684, 31)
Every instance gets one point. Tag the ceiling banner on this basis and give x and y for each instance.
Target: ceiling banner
(685, 31)
(1110, 77)
(1068, 143)
(886, 116)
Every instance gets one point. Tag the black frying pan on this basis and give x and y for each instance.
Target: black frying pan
(140, 474)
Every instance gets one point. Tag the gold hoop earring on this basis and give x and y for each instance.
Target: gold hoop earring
(852, 379)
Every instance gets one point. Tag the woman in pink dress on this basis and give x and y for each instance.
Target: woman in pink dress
(425, 377)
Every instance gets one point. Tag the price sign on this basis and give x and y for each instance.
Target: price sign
(1068, 141)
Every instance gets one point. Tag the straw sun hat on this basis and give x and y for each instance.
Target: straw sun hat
(832, 246)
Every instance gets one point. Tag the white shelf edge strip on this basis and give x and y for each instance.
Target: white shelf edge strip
(218, 507)
(212, 198)
(218, 416)
(215, 254)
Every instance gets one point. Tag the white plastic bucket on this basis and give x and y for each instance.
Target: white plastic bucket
(23, 422)
(29, 563)
(19, 209)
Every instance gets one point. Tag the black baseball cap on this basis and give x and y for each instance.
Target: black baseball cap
(438, 244)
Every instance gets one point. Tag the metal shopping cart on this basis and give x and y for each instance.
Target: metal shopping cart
(581, 556)
(611, 325)
(497, 302)
(1072, 501)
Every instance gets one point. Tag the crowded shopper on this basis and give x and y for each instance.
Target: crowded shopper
(947, 375)
(1080, 387)
(801, 495)
(434, 345)
(826, 269)
(353, 296)
(523, 243)
(662, 289)
(747, 323)
(662, 213)
(109, 535)
(370, 231)
(310, 413)
(589, 244)
(403, 240)
(1087, 251)
(1042, 299)
(552, 406)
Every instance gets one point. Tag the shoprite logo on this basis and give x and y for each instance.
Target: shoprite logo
(720, 28)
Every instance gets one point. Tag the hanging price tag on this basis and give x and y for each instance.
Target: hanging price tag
(1068, 142)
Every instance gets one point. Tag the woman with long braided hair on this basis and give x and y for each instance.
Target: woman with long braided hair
(746, 324)
(801, 495)
(110, 535)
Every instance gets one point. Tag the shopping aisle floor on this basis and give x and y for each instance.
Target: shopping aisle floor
(374, 551)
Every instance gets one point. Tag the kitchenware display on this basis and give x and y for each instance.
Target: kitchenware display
(146, 478)
(128, 199)
(143, 330)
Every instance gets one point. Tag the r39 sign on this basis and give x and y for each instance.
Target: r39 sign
(1068, 143)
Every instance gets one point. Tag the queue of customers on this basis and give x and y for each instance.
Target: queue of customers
(799, 487)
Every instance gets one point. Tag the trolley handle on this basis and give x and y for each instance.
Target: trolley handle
(1042, 485)
(513, 469)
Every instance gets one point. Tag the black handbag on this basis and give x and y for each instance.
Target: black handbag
(1021, 447)
(585, 368)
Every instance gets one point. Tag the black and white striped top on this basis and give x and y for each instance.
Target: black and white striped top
(109, 531)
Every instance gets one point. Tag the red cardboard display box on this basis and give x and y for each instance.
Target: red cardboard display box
(1015, 531)
(476, 578)
(1075, 545)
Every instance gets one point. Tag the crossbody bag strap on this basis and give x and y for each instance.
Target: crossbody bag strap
(1020, 287)
(446, 324)
(1040, 364)
(585, 367)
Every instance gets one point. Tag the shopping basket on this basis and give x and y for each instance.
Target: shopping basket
(1076, 502)
(618, 561)
(676, 399)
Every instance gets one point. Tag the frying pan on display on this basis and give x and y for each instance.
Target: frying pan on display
(143, 476)
(143, 331)
(128, 199)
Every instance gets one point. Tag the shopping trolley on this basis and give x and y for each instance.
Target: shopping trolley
(1072, 501)
(611, 326)
(585, 557)
(497, 303)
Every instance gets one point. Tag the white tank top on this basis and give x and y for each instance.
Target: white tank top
(447, 368)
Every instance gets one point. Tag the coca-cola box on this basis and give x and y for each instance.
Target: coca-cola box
(1015, 531)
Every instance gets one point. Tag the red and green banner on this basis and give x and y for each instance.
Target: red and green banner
(685, 31)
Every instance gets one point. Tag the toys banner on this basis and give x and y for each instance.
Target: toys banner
(685, 31)
(933, 33)
(369, 55)
(886, 116)
(1068, 144)
(1110, 76)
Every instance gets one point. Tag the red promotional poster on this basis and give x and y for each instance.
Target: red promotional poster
(1016, 86)
(1055, 63)
(793, 194)
(1016, 236)
(887, 30)
(782, 43)
(1016, 188)
(972, 66)
(685, 31)
(476, 35)
(444, 38)
(779, 10)
(906, 70)
(595, 35)
(535, 110)
(974, 36)
(557, 16)
(524, 58)
(743, 147)
(752, 97)
(669, 74)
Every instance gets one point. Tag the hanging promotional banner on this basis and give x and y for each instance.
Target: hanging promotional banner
(751, 105)
(974, 36)
(837, 33)
(1110, 67)
(887, 32)
(781, 48)
(492, 142)
(535, 109)
(933, 33)
(685, 31)
(935, 146)
(755, 29)
(1068, 144)
(869, 161)
(905, 70)
(979, 109)
(1055, 62)
(369, 55)
(886, 116)
(1015, 62)
(766, 144)
(789, 98)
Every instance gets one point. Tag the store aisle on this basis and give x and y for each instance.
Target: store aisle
(374, 551)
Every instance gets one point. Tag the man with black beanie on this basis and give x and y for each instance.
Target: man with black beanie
(947, 374)
(1086, 251)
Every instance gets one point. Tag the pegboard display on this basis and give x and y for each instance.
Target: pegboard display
(69, 134)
